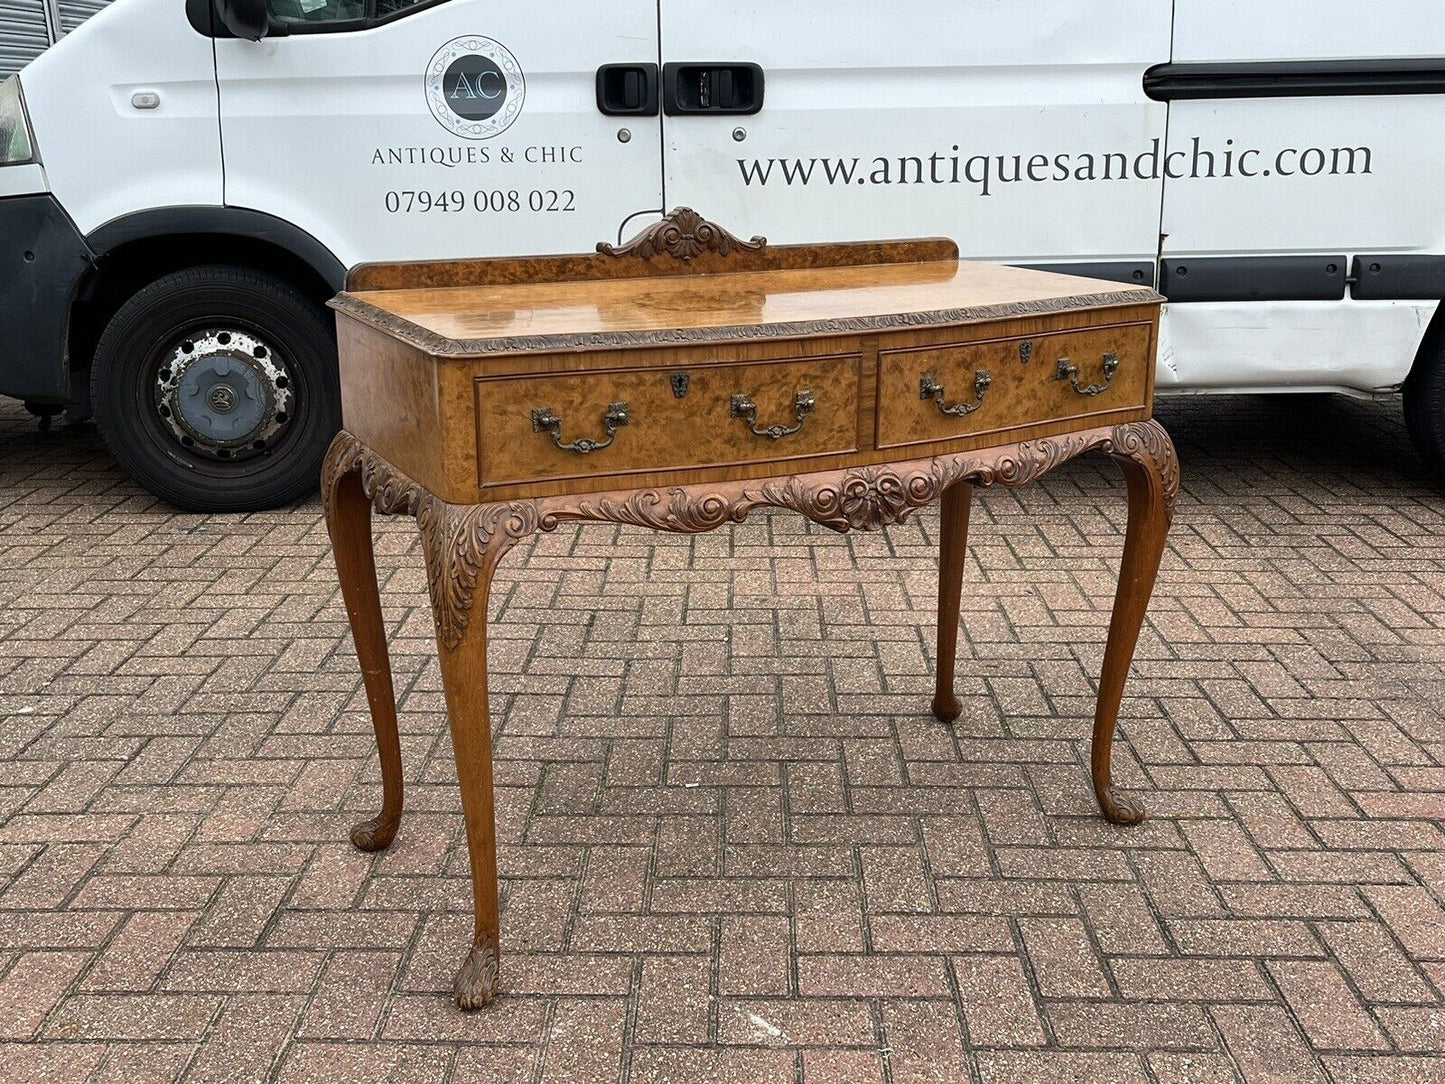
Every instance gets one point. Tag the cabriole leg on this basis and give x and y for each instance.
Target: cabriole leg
(462, 548)
(348, 520)
(464, 676)
(1151, 469)
(957, 499)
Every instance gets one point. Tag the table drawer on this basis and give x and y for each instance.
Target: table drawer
(931, 393)
(571, 425)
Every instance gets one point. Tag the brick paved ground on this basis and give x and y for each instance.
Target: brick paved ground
(735, 844)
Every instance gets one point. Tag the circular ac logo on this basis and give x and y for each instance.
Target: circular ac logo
(474, 87)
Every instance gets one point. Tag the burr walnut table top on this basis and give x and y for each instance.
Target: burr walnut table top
(522, 318)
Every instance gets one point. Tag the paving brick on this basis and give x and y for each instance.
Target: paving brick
(998, 1006)
(1243, 937)
(1191, 1068)
(339, 1063)
(50, 1061)
(135, 1017)
(1122, 1024)
(584, 1040)
(1375, 963)
(822, 1022)
(1063, 961)
(1225, 851)
(1330, 1014)
(1190, 979)
(894, 879)
(1121, 920)
(674, 1000)
(842, 1067)
(1051, 1067)
(1414, 917)
(247, 1040)
(1265, 1046)
(871, 976)
(144, 1063)
(925, 1042)
(668, 1064)
(350, 996)
(755, 955)
(1385, 1070)
(32, 987)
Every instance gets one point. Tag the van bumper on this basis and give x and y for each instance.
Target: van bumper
(42, 258)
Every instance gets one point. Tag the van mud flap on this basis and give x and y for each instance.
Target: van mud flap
(42, 257)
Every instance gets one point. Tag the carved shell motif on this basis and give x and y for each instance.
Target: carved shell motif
(683, 235)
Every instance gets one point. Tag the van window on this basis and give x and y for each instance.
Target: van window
(341, 14)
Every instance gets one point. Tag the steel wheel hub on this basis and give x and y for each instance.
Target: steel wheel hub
(224, 394)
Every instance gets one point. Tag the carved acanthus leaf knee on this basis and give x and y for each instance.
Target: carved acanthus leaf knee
(463, 545)
(1149, 443)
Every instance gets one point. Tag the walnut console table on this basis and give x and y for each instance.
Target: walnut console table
(684, 379)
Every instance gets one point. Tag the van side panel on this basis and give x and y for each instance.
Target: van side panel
(1018, 128)
(104, 157)
(1338, 176)
(1212, 30)
(354, 135)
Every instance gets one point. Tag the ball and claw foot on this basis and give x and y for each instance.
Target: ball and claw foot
(375, 834)
(476, 982)
(1119, 808)
(946, 708)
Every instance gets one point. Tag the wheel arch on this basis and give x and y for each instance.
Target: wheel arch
(137, 249)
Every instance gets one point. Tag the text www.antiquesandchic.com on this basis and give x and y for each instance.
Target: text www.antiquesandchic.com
(986, 172)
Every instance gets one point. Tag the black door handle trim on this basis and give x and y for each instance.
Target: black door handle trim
(627, 90)
(712, 88)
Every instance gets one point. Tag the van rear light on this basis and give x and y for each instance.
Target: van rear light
(16, 145)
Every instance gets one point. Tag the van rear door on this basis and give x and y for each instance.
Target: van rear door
(1020, 129)
(1304, 150)
(393, 130)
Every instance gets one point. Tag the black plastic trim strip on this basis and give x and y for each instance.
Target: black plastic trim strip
(1294, 79)
(1405, 278)
(232, 221)
(1254, 278)
(1134, 272)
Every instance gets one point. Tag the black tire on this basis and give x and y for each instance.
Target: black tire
(134, 349)
(1425, 402)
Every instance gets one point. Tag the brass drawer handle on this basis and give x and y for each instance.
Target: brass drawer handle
(744, 408)
(543, 420)
(929, 388)
(1067, 370)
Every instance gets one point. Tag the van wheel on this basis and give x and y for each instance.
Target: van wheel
(1425, 403)
(216, 389)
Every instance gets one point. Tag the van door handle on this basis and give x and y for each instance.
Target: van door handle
(720, 88)
(627, 90)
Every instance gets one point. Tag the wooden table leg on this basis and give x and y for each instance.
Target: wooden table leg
(1151, 469)
(348, 520)
(957, 499)
(463, 545)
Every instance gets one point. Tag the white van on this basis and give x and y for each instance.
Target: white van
(186, 181)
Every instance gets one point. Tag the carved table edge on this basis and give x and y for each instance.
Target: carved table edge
(444, 346)
(463, 543)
